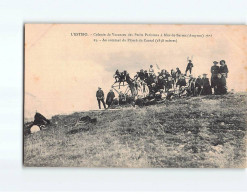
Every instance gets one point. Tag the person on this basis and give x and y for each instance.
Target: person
(182, 84)
(128, 79)
(100, 97)
(169, 83)
(151, 70)
(178, 73)
(223, 68)
(198, 85)
(220, 85)
(141, 75)
(146, 75)
(206, 88)
(153, 90)
(122, 78)
(173, 74)
(117, 76)
(122, 98)
(181, 81)
(110, 97)
(214, 74)
(191, 86)
(189, 67)
(39, 120)
(160, 82)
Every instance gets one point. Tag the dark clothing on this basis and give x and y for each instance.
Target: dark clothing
(213, 81)
(100, 94)
(117, 76)
(223, 69)
(198, 82)
(207, 90)
(189, 68)
(198, 86)
(221, 86)
(39, 120)
(215, 70)
(178, 72)
(181, 82)
(161, 83)
(129, 80)
(146, 75)
(141, 75)
(169, 85)
(100, 97)
(103, 102)
(122, 99)
(109, 98)
(173, 74)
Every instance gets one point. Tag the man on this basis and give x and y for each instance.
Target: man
(191, 86)
(198, 85)
(100, 97)
(206, 88)
(173, 74)
(141, 75)
(189, 67)
(169, 83)
(160, 82)
(146, 75)
(110, 97)
(214, 72)
(178, 73)
(221, 85)
(181, 81)
(117, 76)
(182, 84)
(223, 68)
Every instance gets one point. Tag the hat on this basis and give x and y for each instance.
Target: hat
(215, 62)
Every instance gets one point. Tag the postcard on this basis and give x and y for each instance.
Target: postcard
(135, 96)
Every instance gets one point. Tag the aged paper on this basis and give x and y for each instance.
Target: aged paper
(137, 96)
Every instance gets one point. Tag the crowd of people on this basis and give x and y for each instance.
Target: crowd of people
(166, 84)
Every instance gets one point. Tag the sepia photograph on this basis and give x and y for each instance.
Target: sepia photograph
(135, 96)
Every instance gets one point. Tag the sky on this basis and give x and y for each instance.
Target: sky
(63, 72)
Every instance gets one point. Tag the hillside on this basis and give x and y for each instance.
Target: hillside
(207, 131)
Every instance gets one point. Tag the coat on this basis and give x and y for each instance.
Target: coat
(215, 70)
(110, 97)
(100, 94)
(223, 69)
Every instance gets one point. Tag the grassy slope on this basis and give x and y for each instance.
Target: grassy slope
(197, 132)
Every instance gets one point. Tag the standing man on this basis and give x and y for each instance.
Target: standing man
(110, 97)
(100, 97)
(189, 67)
(214, 75)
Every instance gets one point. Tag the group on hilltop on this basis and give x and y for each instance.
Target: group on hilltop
(150, 85)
